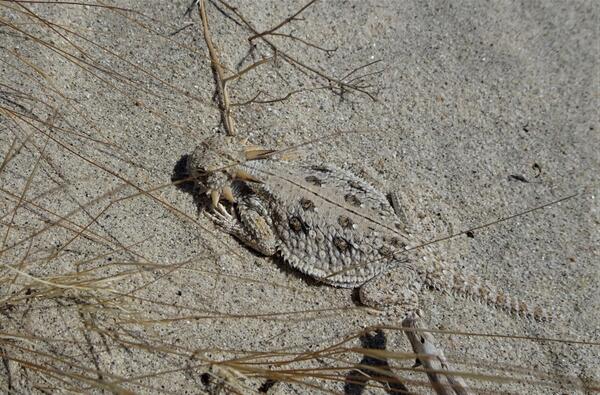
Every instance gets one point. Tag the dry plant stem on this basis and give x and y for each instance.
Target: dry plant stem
(432, 359)
(303, 41)
(333, 82)
(224, 104)
(247, 69)
(286, 21)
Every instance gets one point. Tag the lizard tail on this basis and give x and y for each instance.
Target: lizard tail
(470, 286)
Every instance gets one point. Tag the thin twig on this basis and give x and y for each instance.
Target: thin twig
(334, 82)
(284, 22)
(360, 68)
(247, 69)
(220, 78)
(255, 100)
(305, 42)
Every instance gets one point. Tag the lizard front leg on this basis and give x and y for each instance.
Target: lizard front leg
(250, 223)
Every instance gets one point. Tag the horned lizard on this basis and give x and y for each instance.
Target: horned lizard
(328, 223)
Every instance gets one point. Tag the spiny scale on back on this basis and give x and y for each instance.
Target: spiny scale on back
(326, 222)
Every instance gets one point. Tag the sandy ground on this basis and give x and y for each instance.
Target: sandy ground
(112, 280)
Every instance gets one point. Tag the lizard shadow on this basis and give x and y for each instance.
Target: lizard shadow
(357, 379)
(181, 179)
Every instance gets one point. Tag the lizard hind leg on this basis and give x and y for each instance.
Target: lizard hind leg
(391, 295)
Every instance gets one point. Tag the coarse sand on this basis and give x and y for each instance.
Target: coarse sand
(112, 279)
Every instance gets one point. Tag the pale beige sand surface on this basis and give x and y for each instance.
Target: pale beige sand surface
(111, 280)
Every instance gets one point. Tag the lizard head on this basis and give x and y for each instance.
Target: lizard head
(214, 165)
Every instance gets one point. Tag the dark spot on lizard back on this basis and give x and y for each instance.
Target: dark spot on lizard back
(345, 222)
(307, 204)
(353, 200)
(297, 225)
(397, 243)
(386, 251)
(314, 180)
(341, 244)
(321, 169)
(356, 185)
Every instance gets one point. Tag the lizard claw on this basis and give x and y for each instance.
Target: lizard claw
(223, 211)
(223, 218)
(220, 215)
